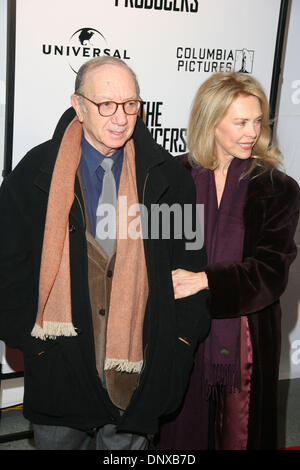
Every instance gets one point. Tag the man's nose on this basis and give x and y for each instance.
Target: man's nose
(120, 117)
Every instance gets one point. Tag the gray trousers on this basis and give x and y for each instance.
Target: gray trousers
(106, 438)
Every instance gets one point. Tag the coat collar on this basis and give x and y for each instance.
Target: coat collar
(149, 156)
(264, 183)
(151, 182)
(43, 179)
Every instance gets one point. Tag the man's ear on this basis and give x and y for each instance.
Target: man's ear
(76, 105)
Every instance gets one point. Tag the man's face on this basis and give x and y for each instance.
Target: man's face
(106, 83)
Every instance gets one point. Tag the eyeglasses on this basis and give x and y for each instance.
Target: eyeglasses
(108, 108)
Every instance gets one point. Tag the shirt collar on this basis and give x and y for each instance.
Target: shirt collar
(93, 158)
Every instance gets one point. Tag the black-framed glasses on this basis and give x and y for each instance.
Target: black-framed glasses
(108, 108)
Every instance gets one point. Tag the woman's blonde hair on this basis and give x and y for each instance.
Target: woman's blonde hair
(210, 105)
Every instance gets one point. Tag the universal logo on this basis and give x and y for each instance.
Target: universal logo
(84, 44)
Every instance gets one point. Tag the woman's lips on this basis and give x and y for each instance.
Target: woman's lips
(246, 145)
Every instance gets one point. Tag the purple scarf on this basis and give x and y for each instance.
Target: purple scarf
(224, 238)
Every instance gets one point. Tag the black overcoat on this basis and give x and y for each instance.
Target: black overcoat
(253, 288)
(61, 384)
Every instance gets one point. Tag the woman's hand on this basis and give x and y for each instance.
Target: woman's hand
(187, 283)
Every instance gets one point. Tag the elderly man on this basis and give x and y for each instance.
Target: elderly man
(89, 300)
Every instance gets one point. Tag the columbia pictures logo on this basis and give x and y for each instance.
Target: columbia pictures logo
(244, 61)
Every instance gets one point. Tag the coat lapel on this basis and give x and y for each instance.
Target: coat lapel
(43, 182)
(151, 183)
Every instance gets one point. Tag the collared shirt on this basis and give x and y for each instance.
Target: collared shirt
(92, 176)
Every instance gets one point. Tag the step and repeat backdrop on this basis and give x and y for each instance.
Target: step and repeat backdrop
(172, 45)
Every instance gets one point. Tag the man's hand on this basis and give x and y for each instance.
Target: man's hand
(187, 283)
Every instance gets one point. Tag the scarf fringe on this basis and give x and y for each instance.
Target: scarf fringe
(123, 365)
(52, 329)
(223, 378)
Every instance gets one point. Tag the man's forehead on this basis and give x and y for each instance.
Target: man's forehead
(109, 76)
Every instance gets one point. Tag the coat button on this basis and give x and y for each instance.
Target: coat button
(109, 273)
(102, 311)
(72, 228)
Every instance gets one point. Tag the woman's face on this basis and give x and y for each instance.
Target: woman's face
(239, 129)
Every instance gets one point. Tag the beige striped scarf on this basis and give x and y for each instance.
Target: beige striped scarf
(130, 284)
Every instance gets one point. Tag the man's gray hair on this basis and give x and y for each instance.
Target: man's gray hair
(99, 62)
